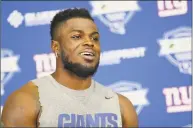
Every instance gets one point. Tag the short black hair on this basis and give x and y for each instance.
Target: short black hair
(65, 15)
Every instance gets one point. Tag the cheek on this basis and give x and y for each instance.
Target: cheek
(97, 46)
(68, 48)
(98, 50)
(73, 56)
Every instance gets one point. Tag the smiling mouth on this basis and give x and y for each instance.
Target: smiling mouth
(89, 56)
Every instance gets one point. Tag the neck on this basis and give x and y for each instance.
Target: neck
(66, 78)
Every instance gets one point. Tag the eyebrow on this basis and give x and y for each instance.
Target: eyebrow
(80, 31)
(94, 33)
(76, 30)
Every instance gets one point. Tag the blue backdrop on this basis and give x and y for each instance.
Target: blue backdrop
(146, 52)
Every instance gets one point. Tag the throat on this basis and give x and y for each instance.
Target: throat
(72, 82)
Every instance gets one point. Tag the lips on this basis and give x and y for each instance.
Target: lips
(88, 54)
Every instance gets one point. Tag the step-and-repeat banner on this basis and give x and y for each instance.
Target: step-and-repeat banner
(146, 52)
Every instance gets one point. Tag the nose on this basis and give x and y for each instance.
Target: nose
(88, 42)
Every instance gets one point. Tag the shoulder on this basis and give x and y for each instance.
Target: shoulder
(22, 106)
(38, 81)
(128, 112)
(28, 91)
(125, 102)
(23, 97)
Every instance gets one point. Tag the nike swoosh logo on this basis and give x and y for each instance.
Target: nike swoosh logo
(107, 97)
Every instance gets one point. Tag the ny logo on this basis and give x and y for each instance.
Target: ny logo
(172, 7)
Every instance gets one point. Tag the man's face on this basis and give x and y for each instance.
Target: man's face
(80, 46)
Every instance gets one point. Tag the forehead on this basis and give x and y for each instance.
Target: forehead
(85, 25)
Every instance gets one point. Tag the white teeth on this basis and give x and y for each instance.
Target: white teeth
(86, 53)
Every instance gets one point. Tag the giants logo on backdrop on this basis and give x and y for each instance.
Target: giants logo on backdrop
(172, 7)
(134, 92)
(178, 99)
(115, 14)
(46, 63)
(176, 47)
(30, 19)
(9, 65)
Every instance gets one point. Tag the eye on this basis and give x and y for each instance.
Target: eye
(95, 38)
(76, 37)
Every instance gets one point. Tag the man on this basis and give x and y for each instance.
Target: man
(70, 97)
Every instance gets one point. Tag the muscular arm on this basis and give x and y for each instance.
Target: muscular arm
(129, 116)
(20, 109)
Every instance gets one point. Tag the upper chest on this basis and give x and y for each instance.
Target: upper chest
(77, 111)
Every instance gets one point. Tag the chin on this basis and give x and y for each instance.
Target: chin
(88, 63)
(91, 63)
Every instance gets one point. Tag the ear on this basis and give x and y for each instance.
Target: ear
(55, 46)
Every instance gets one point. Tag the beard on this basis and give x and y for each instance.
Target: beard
(78, 69)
